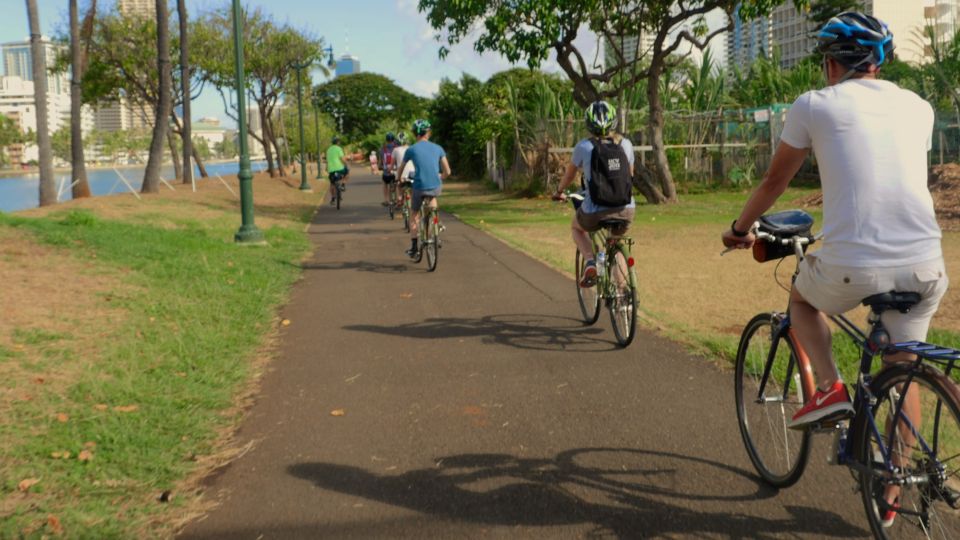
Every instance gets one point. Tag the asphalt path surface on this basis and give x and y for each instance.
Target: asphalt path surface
(475, 404)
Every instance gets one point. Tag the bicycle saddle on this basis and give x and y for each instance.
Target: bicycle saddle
(612, 223)
(900, 301)
(787, 223)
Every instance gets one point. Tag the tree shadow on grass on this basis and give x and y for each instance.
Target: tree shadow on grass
(522, 331)
(625, 492)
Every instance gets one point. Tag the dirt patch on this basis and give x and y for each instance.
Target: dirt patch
(48, 296)
(944, 183)
(276, 200)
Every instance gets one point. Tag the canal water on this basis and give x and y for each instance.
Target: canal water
(22, 192)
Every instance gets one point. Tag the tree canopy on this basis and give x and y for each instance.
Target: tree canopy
(362, 101)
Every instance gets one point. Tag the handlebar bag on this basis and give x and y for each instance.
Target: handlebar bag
(782, 225)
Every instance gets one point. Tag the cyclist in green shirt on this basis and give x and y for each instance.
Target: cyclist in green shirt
(336, 166)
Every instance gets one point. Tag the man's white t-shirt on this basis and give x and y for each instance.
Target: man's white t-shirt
(408, 169)
(870, 138)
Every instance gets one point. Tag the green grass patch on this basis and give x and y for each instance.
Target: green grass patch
(198, 308)
(534, 225)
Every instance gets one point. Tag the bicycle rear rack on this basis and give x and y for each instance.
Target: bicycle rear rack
(945, 356)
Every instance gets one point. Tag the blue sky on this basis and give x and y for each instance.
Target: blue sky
(388, 36)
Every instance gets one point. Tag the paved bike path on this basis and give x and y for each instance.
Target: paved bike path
(475, 404)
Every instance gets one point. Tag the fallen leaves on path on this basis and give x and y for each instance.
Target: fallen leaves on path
(406, 295)
(337, 412)
(285, 322)
(54, 523)
(27, 483)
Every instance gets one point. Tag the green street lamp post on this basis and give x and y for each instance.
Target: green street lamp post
(304, 186)
(248, 233)
(316, 130)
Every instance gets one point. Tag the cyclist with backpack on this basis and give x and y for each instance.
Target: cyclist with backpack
(606, 159)
(387, 166)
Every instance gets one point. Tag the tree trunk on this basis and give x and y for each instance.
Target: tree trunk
(81, 187)
(199, 162)
(172, 142)
(661, 163)
(151, 176)
(266, 141)
(185, 85)
(48, 187)
(271, 136)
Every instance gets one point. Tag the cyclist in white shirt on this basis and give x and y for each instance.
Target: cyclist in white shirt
(871, 139)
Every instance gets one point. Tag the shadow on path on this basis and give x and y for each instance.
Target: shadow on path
(611, 488)
(522, 331)
(363, 266)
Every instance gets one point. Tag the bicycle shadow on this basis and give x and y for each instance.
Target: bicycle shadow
(521, 331)
(362, 266)
(623, 492)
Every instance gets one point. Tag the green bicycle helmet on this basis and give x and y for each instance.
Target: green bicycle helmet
(402, 138)
(421, 127)
(601, 118)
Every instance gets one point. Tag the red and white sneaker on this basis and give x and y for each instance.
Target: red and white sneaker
(589, 277)
(834, 403)
(890, 514)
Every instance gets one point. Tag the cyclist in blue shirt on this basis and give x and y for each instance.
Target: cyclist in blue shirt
(432, 168)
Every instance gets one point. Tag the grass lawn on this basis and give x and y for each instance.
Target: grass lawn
(129, 331)
(687, 290)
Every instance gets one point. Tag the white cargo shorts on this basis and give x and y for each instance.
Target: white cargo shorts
(837, 289)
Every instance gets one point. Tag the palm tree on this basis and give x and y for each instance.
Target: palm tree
(151, 176)
(185, 84)
(81, 188)
(48, 188)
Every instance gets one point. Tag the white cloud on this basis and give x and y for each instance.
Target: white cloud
(426, 88)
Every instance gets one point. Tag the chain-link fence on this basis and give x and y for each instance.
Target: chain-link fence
(731, 147)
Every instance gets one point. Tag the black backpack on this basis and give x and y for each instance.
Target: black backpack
(610, 183)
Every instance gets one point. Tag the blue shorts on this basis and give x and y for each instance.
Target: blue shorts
(419, 194)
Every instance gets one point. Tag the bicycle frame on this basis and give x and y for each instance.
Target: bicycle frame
(609, 243)
(870, 348)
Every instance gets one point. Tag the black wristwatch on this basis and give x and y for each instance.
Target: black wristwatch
(737, 233)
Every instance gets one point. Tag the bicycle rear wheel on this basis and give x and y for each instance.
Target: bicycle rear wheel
(431, 225)
(406, 211)
(623, 298)
(339, 194)
(765, 407)
(392, 201)
(924, 449)
(589, 297)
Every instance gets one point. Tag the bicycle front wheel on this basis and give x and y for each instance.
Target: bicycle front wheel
(589, 297)
(339, 195)
(764, 407)
(623, 297)
(917, 463)
(392, 203)
(432, 226)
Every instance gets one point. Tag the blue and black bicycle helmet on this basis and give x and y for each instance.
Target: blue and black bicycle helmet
(390, 136)
(856, 41)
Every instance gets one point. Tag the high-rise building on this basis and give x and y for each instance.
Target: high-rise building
(123, 114)
(748, 40)
(17, 63)
(944, 18)
(147, 8)
(791, 32)
(630, 46)
(17, 102)
(347, 65)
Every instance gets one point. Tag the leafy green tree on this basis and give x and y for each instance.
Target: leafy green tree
(226, 148)
(529, 31)
(766, 82)
(270, 52)
(362, 101)
(60, 142)
(203, 148)
(291, 128)
(461, 122)
(822, 10)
